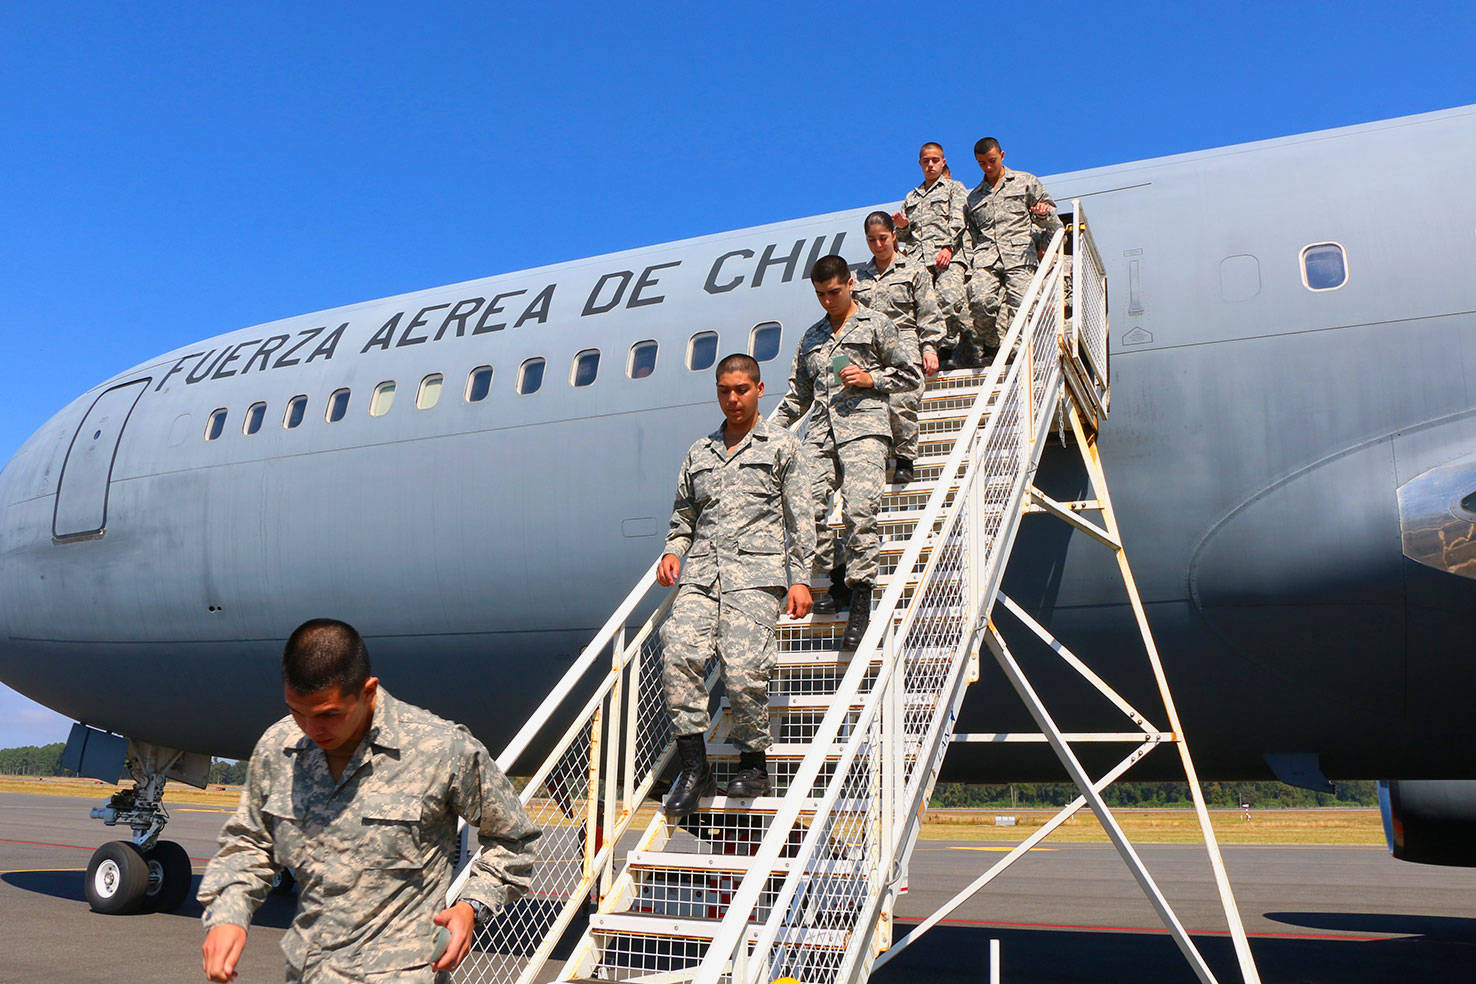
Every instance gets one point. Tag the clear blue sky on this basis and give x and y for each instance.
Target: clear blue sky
(172, 171)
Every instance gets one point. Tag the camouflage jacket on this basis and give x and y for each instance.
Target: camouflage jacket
(935, 218)
(904, 293)
(1000, 225)
(868, 340)
(732, 511)
(372, 852)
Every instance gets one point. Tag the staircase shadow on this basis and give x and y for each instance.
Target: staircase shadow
(960, 953)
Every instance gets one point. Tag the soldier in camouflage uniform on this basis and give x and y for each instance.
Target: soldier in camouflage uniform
(741, 489)
(358, 794)
(897, 286)
(931, 227)
(846, 365)
(1000, 217)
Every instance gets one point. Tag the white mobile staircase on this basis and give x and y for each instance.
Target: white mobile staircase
(802, 884)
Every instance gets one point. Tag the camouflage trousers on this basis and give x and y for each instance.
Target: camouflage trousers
(995, 294)
(738, 627)
(902, 407)
(948, 284)
(859, 469)
(322, 972)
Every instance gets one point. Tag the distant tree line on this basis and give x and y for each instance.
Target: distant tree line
(45, 760)
(33, 760)
(1260, 795)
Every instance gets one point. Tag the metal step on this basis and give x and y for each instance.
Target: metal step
(626, 924)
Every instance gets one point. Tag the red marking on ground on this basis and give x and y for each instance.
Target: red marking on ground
(1158, 930)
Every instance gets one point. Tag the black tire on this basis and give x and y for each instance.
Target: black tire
(117, 879)
(283, 882)
(169, 877)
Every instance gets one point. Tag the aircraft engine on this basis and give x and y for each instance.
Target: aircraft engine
(1430, 821)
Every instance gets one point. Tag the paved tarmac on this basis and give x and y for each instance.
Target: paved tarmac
(1067, 912)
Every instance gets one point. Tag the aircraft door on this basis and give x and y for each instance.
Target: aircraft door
(82, 494)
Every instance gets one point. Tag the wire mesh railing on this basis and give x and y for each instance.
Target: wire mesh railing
(584, 795)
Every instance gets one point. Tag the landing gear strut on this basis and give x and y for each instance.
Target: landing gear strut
(144, 873)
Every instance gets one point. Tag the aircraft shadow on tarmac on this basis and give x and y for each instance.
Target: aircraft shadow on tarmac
(276, 912)
(1078, 957)
(1443, 929)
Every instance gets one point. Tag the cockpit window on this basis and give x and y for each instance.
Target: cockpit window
(215, 425)
(255, 414)
(296, 407)
(763, 342)
(1324, 267)
(337, 406)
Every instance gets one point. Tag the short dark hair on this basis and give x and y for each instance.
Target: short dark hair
(930, 143)
(830, 267)
(323, 653)
(987, 144)
(739, 362)
(878, 218)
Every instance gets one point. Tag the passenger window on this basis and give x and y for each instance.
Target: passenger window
(530, 376)
(763, 341)
(478, 384)
(255, 414)
(702, 351)
(430, 392)
(586, 367)
(337, 406)
(642, 361)
(296, 408)
(215, 425)
(382, 399)
(1324, 266)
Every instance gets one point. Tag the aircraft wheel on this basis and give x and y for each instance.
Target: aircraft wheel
(283, 882)
(117, 878)
(169, 877)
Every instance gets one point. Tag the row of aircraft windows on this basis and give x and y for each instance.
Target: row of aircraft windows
(763, 345)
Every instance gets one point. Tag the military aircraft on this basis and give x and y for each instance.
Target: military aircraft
(475, 474)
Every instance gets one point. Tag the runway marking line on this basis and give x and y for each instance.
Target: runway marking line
(1000, 850)
(38, 871)
(1160, 931)
(199, 809)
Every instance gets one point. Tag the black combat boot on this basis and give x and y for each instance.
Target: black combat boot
(860, 617)
(838, 598)
(752, 778)
(902, 474)
(966, 355)
(696, 780)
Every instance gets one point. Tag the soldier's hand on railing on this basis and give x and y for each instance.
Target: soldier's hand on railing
(800, 602)
(668, 569)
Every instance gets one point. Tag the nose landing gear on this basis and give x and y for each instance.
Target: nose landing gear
(145, 873)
